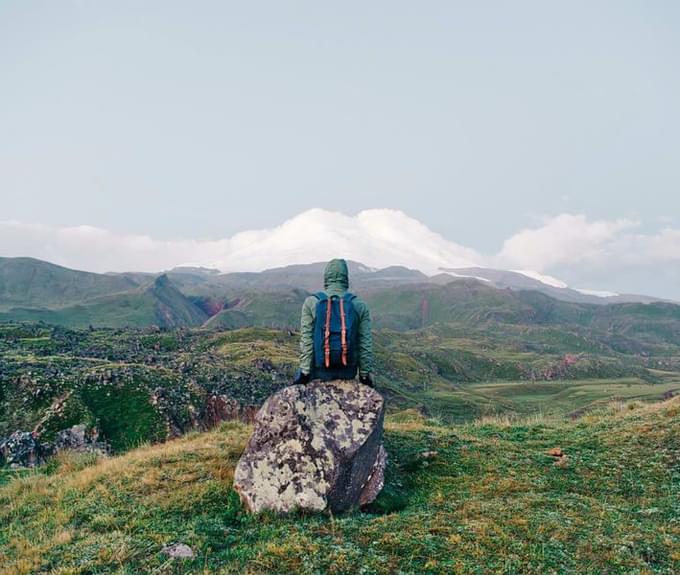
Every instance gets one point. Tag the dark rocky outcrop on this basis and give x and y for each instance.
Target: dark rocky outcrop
(24, 449)
(220, 408)
(80, 438)
(314, 447)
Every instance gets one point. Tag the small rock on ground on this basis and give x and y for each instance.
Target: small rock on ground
(178, 551)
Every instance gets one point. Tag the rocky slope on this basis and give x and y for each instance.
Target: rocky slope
(143, 385)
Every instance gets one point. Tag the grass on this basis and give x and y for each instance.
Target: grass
(460, 403)
(563, 397)
(491, 501)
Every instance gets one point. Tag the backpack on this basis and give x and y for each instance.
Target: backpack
(335, 334)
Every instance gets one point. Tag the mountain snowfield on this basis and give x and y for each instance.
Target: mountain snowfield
(554, 282)
(378, 238)
(543, 278)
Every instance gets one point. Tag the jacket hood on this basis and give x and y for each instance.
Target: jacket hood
(336, 275)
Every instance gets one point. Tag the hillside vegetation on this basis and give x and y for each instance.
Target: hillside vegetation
(489, 500)
(401, 299)
(27, 282)
(156, 304)
(146, 385)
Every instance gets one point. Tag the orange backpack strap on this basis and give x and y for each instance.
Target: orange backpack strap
(343, 333)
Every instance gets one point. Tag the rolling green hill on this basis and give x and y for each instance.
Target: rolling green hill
(157, 304)
(27, 282)
(400, 299)
(276, 309)
(472, 302)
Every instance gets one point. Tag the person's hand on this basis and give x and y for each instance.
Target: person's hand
(366, 379)
(300, 378)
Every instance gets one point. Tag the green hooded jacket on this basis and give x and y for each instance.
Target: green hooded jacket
(335, 282)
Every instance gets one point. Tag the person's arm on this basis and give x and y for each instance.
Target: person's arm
(307, 335)
(365, 342)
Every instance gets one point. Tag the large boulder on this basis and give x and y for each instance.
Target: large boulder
(314, 447)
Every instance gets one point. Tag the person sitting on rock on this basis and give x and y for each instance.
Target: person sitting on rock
(335, 332)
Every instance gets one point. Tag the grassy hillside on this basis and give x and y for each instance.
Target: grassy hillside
(27, 282)
(652, 328)
(491, 501)
(400, 299)
(279, 309)
(156, 304)
(472, 303)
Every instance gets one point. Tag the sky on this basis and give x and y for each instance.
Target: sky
(529, 135)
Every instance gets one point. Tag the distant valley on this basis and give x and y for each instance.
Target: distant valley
(77, 346)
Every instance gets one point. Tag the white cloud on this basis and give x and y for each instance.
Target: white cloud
(572, 240)
(663, 246)
(598, 253)
(376, 238)
(562, 240)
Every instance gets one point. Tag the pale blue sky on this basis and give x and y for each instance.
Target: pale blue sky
(201, 119)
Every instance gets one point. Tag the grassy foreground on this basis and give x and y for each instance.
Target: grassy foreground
(491, 501)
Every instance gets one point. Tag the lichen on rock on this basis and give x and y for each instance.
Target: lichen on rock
(314, 447)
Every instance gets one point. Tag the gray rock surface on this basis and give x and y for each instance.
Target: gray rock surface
(80, 438)
(314, 447)
(178, 551)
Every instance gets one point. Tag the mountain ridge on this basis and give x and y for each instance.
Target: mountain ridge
(295, 276)
(522, 280)
(400, 297)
